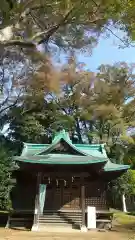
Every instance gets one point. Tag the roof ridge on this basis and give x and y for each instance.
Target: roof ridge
(68, 142)
(29, 144)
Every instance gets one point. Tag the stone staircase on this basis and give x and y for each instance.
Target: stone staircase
(60, 219)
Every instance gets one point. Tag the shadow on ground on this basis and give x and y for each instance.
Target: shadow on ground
(3, 219)
(19, 221)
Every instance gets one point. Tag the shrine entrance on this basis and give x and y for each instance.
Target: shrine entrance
(62, 197)
(64, 179)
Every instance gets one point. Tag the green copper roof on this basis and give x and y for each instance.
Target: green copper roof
(110, 167)
(57, 160)
(85, 154)
(96, 150)
(62, 135)
(32, 149)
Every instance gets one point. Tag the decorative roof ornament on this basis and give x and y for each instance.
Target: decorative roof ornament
(62, 135)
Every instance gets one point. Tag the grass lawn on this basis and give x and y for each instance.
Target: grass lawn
(124, 221)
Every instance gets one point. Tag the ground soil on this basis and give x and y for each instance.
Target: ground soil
(6, 234)
(123, 229)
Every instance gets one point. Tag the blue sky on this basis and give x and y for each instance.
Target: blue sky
(108, 52)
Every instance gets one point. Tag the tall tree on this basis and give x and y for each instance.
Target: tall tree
(51, 110)
(71, 100)
(114, 93)
(93, 107)
(75, 24)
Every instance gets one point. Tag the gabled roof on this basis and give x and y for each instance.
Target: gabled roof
(96, 150)
(83, 154)
(30, 149)
(54, 159)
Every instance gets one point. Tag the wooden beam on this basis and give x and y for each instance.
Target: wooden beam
(64, 174)
(36, 212)
(83, 204)
(83, 227)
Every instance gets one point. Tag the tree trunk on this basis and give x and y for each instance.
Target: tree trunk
(87, 130)
(124, 207)
(78, 130)
(101, 130)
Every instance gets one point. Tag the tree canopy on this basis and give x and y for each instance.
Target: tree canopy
(37, 98)
(95, 107)
(65, 24)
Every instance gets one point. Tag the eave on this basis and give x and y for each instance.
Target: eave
(60, 160)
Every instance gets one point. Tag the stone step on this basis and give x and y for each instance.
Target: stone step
(60, 222)
(53, 221)
(71, 216)
(60, 213)
(49, 216)
(60, 218)
(49, 228)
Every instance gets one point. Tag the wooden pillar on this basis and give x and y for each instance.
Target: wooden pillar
(61, 195)
(36, 210)
(83, 227)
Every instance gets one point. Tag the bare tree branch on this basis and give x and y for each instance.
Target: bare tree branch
(20, 43)
(45, 35)
(11, 105)
(51, 31)
(58, 103)
(124, 42)
(36, 21)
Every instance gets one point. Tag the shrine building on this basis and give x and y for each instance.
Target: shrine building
(57, 182)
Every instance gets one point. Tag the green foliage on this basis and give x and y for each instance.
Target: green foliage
(6, 168)
(125, 184)
(65, 22)
(91, 106)
(94, 108)
(129, 157)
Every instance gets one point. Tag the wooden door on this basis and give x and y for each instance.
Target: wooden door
(71, 198)
(62, 198)
(57, 198)
(48, 199)
(53, 198)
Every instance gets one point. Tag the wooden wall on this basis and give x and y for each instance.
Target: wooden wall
(65, 195)
(69, 197)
